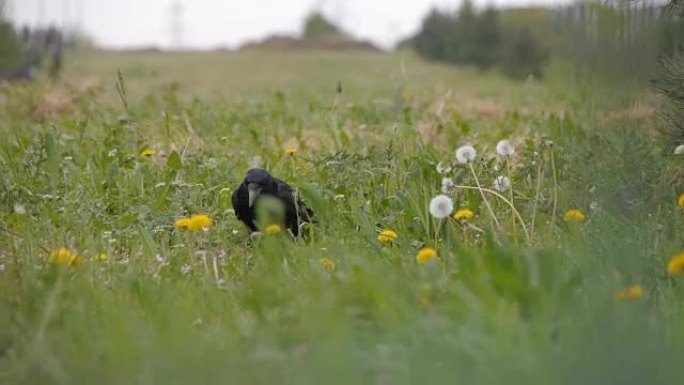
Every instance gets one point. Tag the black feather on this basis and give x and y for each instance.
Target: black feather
(295, 214)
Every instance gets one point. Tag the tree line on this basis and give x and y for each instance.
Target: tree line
(480, 39)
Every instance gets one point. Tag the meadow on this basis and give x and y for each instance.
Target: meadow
(556, 265)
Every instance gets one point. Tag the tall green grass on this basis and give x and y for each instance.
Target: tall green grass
(172, 306)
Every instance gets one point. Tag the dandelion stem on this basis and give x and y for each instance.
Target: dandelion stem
(439, 227)
(510, 179)
(216, 270)
(536, 198)
(503, 198)
(555, 189)
(484, 198)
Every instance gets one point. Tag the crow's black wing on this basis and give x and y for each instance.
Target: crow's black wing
(293, 214)
(241, 206)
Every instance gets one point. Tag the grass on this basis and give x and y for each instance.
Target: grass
(171, 306)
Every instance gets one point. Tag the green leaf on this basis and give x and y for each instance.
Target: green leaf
(149, 245)
(174, 162)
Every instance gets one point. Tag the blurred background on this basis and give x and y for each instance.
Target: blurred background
(119, 117)
(248, 50)
(519, 37)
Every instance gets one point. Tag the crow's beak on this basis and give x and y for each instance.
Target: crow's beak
(254, 191)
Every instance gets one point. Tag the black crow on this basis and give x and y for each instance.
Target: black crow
(258, 192)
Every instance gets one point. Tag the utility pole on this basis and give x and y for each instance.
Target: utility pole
(66, 15)
(41, 13)
(79, 15)
(176, 23)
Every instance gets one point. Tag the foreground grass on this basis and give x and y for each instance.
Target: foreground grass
(172, 306)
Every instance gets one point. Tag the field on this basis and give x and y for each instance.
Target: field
(562, 275)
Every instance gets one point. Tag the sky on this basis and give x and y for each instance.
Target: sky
(202, 24)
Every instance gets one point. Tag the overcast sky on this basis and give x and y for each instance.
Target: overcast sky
(228, 23)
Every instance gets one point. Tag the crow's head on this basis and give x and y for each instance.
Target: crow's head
(259, 181)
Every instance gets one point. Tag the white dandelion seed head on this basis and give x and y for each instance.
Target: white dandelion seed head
(443, 168)
(256, 162)
(441, 206)
(502, 183)
(679, 150)
(447, 185)
(465, 154)
(185, 269)
(19, 209)
(505, 148)
(594, 206)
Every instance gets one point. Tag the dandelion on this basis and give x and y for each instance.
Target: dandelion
(387, 236)
(256, 162)
(327, 263)
(273, 229)
(465, 154)
(182, 223)
(443, 168)
(573, 215)
(290, 151)
(502, 183)
(447, 185)
(463, 214)
(102, 257)
(631, 292)
(679, 150)
(505, 148)
(441, 206)
(426, 255)
(680, 200)
(64, 256)
(160, 259)
(676, 265)
(19, 209)
(148, 152)
(185, 269)
(199, 222)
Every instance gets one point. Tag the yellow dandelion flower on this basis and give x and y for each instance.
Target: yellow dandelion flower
(426, 255)
(182, 223)
(290, 151)
(64, 256)
(273, 229)
(148, 152)
(631, 292)
(680, 200)
(387, 235)
(676, 265)
(328, 263)
(199, 222)
(103, 257)
(463, 214)
(61, 256)
(75, 260)
(573, 215)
